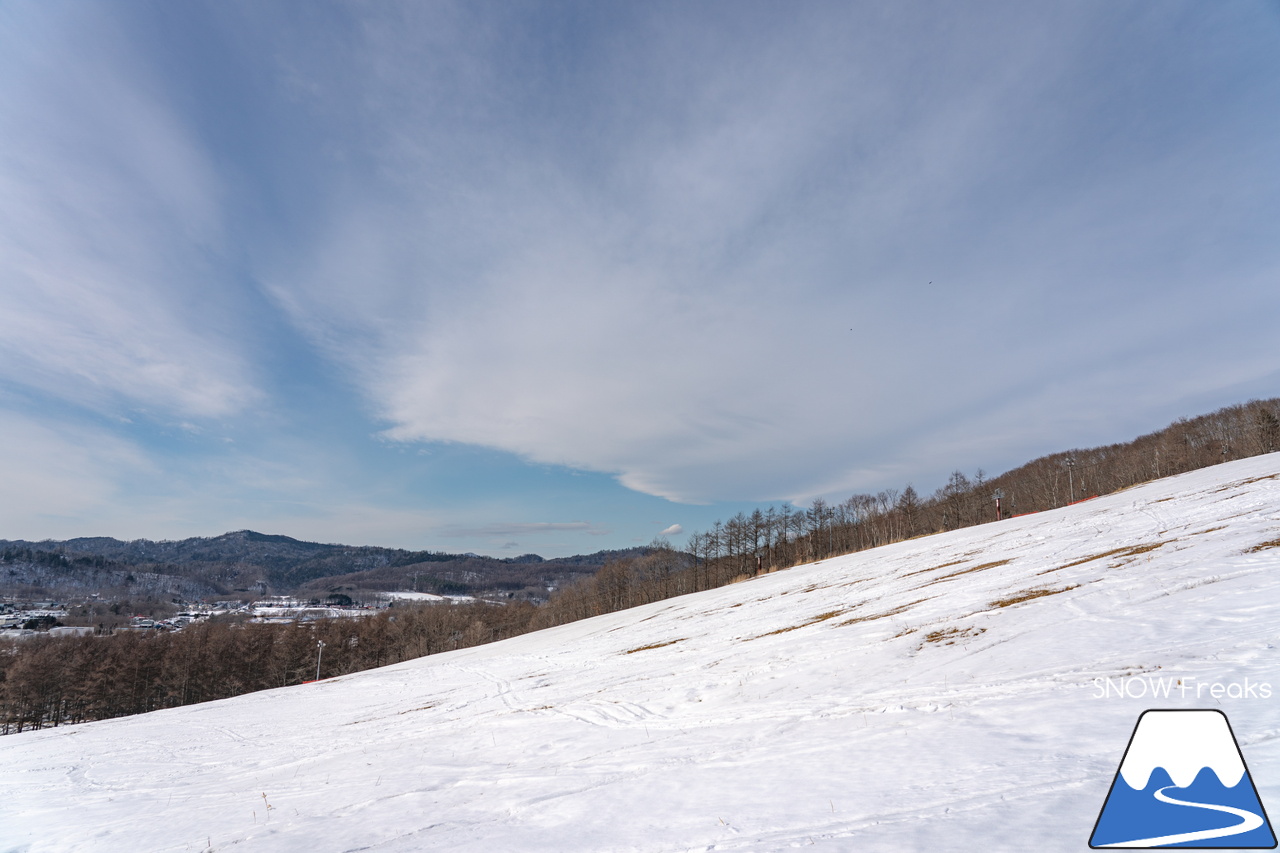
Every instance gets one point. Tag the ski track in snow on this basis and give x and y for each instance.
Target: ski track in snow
(921, 716)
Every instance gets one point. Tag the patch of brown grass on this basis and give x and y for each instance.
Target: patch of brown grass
(779, 631)
(1237, 484)
(647, 618)
(950, 636)
(1029, 595)
(1142, 549)
(823, 617)
(1262, 546)
(933, 568)
(894, 612)
(654, 646)
(398, 714)
(980, 568)
(1126, 551)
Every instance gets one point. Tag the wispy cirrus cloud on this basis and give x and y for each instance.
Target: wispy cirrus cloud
(796, 255)
(110, 230)
(723, 251)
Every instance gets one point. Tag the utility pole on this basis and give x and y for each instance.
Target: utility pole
(1071, 466)
(319, 655)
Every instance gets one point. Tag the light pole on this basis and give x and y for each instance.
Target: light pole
(1071, 466)
(319, 655)
(999, 493)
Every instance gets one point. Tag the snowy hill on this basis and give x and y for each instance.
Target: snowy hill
(946, 693)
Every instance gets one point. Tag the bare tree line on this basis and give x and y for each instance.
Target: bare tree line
(51, 681)
(779, 537)
(57, 680)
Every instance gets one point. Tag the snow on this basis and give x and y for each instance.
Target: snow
(424, 597)
(883, 701)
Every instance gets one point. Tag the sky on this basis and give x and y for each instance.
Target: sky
(558, 277)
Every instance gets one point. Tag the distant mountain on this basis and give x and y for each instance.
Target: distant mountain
(246, 561)
(945, 693)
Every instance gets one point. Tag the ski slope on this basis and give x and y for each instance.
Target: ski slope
(894, 700)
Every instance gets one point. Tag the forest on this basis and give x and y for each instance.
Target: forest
(50, 681)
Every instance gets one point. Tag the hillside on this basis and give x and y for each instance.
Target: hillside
(941, 693)
(248, 561)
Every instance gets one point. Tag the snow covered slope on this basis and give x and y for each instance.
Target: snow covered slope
(947, 693)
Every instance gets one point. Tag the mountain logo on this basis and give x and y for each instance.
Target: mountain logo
(1183, 783)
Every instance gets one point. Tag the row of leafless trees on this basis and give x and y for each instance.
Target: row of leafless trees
(50, 681)
(774, 538)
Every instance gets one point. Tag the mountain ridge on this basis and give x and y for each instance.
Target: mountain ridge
(249, 561)
(939, 693)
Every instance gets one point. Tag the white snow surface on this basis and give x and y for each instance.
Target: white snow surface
(882, 701)
(1183, 743)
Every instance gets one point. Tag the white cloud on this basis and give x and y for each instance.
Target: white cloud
(673, 530)
(110, 219)
(60, 479)
(787, 273)
(67, 480)
(782, 253)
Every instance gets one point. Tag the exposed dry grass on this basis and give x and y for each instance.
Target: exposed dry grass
(1238, 483)
(933, 568)
(894, 612)
(1142, 549)
(654, 646)
(1126, 551)
(950, 636)
(823, 617)
(1262, 546)
(654, 616)
(398, 714)
(1030, 595)
(972, 569)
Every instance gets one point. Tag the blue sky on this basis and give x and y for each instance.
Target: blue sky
(556, 277)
